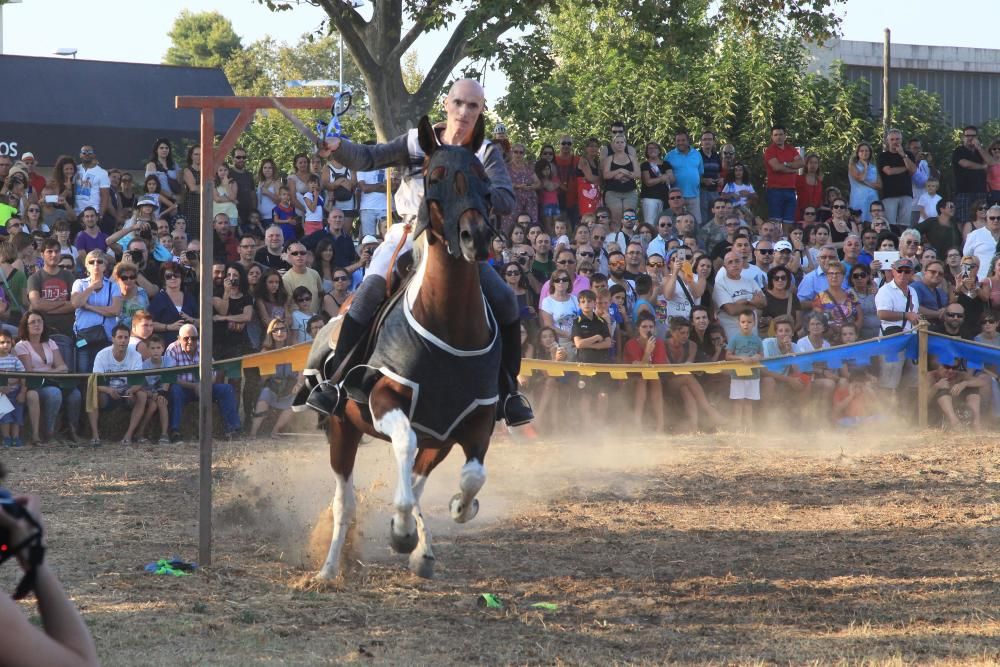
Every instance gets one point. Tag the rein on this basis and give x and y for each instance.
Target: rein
(395, 255)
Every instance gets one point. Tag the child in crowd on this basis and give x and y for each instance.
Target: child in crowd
(314, 325)
(855, 401)
(548, 193)
(313, 203)
(300, 319)
(10, 422)
(926, 205)
(283, 215)
(747, 347)
(592, 340)
(156, 391)
(604, 312)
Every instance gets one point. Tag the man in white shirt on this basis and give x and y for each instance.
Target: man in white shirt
(983, 242)
(304, 276)
(118, 357)
(371, 184)
(91, 184)
(898, 309)
(734, 293)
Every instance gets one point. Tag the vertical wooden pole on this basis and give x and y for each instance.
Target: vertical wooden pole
(205, 342)
(923, 390)
(388, 199)
(886, 52)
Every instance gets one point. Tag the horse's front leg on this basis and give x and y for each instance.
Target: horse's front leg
(422, 558)
(403, 527)
(464, 505)
(343, 438)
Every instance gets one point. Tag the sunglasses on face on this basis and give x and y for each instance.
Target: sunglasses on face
(560, 280)
(586, 254)
(629, 217)
(339, 279)
(655, 265)
(128, 277)
(783, 278)
(297, 253)
(675, 197)
(857, 276)
(303, 299)
(586, 272)
(95, 261)
(809, 212)
(277, 330)
(904, 270)
(189, 338)
(666, 225)
(836, 206)
(170, 276)
(565, 143)
(766, 251)
(566, 261)
(955, 315)
(989, 321)
(617, 264)
(602, 215)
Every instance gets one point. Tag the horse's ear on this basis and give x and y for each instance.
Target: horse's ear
(425, 135)
(478, 134)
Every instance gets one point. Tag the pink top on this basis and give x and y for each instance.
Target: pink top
(993, 177)
(49, 348)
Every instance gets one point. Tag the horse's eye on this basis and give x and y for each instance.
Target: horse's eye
(437, 174)
(461, 187)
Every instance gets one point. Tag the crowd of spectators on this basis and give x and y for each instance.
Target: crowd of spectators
(685, 261)
(99, 272)
(669, 257)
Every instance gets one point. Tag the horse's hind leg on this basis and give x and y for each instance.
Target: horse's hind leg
(464, 505)
(403, 528)
(344, 438)
(422, 558)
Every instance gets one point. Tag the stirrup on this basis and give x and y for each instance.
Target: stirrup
(517, 410)
(325, 398)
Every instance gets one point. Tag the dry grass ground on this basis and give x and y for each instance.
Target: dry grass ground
(712, 550)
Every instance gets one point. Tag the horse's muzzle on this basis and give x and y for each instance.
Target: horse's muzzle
(474, 238)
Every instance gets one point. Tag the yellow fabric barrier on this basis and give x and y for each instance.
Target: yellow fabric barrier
(646, 371)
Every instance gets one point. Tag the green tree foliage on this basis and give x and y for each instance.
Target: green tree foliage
(203, 39)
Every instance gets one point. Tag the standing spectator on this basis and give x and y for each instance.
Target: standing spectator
(896, 166)
(268, 185)
(899, 310)
(617, 130)
(526, 185)
(39, 354)
(98, 303)
(865, 181)
(592, 339)
(982, 243)
(738, 189)
(657, 177)
(14, 389)
(190, 203)
(646, 348)
(993, 173)
(782, 163)
(919, 178)
(733, 294)
(588, 178)
(711, 177)
(688, 168)
(161, 165)
(48, 290)
(117, 357)
(90, 237)
(941, 231)
(372, 205)
(156, 390)
(271, 255)
(301, 275)
(35, 180)
(312, 201)
(564, 166)
(233, 311)
(224, 194)
(246, 195)
(184, 352)
(969, 162)
(339, 184)
(926, 206)
(746, 346)
(298, 181)
(620, 171)
(91, 184)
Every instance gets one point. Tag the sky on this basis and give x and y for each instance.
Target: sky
(95, 28)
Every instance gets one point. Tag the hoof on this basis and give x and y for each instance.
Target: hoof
(402, 544)
(325, 575)
(469, 512)
(422, 566)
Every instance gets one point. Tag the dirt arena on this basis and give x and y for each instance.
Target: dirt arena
(721, 549)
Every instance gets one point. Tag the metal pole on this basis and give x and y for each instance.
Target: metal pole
(205, 342)
(340, 80)
(885, 84)
(923, 390)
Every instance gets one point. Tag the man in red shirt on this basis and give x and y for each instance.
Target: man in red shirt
(782, 163)
(36, 180)
(566, 163)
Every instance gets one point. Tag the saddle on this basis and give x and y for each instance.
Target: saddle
(359, 355)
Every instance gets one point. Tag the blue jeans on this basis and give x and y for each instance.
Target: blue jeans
(51, 398)
(85, 357)
(222, 394)
(781, 204)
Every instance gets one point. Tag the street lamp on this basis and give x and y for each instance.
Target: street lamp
(66, 51)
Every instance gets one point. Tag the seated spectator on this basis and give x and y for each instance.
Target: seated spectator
(548, 397)
(39, 354)
(157, 391)
(855, 402)
(233, 308)
(822, 379)
(316, 324)
(646, 348)
(173, 307)
(778, 389)
(13, 389)
(680, 349)
(116, 358)
(279, 389)
(988, 334)
(98, 303)
(184, 352)
(950, 383)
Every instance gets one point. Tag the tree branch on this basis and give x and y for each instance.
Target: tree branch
(419, 27)
(350, 25)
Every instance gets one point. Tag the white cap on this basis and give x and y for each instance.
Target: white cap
(369, 239)
(25, 156)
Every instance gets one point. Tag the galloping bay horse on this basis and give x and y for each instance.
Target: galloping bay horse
(435, 363)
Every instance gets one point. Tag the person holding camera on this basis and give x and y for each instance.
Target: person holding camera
(63, 638)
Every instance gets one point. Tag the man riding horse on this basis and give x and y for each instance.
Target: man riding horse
(464, 126)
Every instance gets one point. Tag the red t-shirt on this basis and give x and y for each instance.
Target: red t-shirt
(636, 351)
(566, 174)
(780, 179)
(807, 195)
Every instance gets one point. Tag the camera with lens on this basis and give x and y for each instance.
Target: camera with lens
(13, 509)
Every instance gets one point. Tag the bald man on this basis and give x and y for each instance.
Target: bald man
(463, 108)
(734, 293)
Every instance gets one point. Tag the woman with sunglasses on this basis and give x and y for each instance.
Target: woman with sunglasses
(134, 297)
(279, 389)
(515, 278)
(233, 309)
(646, 349)
(334, 300)
(559, 309)
(837, 304)
(988, 334)
(978, 211)
(863, 175)
(98, 302)
(863, 290)
(841, 224)
(33, 220)
(526, 185)
(172, 307)
(781, 299)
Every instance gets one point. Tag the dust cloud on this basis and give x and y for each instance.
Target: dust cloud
(284, 493)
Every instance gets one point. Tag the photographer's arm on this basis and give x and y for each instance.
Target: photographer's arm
(65, 639)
